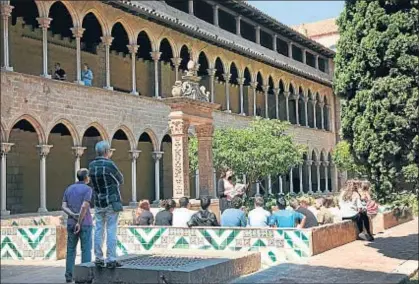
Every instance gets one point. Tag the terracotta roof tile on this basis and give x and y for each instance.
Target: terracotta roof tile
(323, 27)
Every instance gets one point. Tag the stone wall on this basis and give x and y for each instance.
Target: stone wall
(330, 236)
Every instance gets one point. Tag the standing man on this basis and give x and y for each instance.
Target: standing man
(106, 180)
(76, 204)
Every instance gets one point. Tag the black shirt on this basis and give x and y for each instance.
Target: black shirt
(311, 220)
(146, 218)
(60, 74)
(164, 218)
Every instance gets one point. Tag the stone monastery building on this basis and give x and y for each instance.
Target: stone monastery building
(252, 65)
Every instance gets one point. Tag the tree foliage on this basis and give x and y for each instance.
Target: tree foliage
(377, 75)
(344, 160)
(259, 150)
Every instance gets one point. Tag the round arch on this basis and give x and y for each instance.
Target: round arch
(35, 124)
(71, 128)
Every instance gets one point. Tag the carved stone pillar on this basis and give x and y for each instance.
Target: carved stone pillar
(107, 41)
(281, 189)
(310, 185)
(133, 50)
(317, 164)
(78, 33)
(306, 110)
(44, 25)
(265, 92)
(287, 106)
(4, 149)
(290, 49)
(204, 133)
(156, 56)
(179, 130)
(157, 156)
(215, 15)
(134, 154)
(314, 113)
(6, 12)
(321, 104)
(269, 184)
(238, 19)
(326, 175)
(43, 153)
(190, 7)
(78, 152)
(257, 34)
(304, 56)
(176, 62)
(241, 83)
(211, 73)
(316, 62)
(300, 173)
(291, 182)
(274, 45)
(297, 116)
(276, 93)
(227, 77)
(254, 85)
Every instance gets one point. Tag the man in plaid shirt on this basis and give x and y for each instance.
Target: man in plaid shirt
(106, 180)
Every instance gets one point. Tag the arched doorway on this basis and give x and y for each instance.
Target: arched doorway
(121, 145)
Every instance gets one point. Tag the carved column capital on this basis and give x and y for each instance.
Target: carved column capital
(265, 88)
(325, 163)
(309, 162)
(254, 84)
(6, 10)
(204, 130)
(241, 80)
(317, 163)
(133, 48)
(44, 22)
(314, 102)
(134, 154)
(5, 148)
(305, 99)
(227, 77)
(157, 155)
(211, 72)
(107, 40)
(296, 96)
(43, 150)
(78, 32)
(179, 127)
(155, 55)
(287, 94)
(321, 104)
(277, 91)
(78, 151)
(176, 61)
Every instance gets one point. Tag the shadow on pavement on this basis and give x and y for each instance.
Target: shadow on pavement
(20, 273)
(405, 248)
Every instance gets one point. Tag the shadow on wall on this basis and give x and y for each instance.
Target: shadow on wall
(297, 273)
(390, 247)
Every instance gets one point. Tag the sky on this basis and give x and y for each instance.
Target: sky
(298, 12)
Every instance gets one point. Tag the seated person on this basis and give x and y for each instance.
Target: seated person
(324, 216)
(366, 200)
(59, 73)
(203, 217)
(334, 209)
(143, 216)
(258, 217)
(311, 220)
(165, 217)
(182, 215)
(286, 218)
(234, 217)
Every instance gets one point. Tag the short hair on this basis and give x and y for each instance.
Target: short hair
(328, 202)
(82, 174)
(167, 204)
(172, 203)
(281, 203)
(294, 203)
(58, 63)
(320, 201)
(183, 202)
(259, 202)
(102, 147)
(205, 202)
(237, 202)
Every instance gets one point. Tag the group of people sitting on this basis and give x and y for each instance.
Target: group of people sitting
(354, 203)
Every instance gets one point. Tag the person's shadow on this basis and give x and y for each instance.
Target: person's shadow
(405, 247)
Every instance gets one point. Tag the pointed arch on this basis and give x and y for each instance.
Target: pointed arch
(128, 133)
(35, 124)
(70, 127)
(104, 27)
(127, 28)
(153, 138)
(102, 131)
(219, 69)
(63, 20)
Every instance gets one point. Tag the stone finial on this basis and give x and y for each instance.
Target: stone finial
(133, 48)
(78, 151)
(177, 89)
(77, 31)
(107, 40)
(44, 22)
(134, 154)
(43, 150)
(155, 55)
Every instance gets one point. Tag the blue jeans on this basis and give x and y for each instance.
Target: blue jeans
(85, 236)
(106, 217)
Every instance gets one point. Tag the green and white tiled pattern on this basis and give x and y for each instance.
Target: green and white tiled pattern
(21, 243)
(276, 245)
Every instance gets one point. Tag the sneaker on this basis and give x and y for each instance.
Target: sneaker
(68, 280)
(99, 263)
(370, 238)
(113, 264)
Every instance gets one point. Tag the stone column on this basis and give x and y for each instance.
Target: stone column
(310, 185)
(300, 172)
(334, 172)
(179, 129)
(290, 49)
(6, 12)
(78, 33)
(134, 154)
(317, 164)
(326, 175)
(78, 152)
(4, 149)
(322, 114)
(291, 182)
(304, 56)
(306, 110)
(133, 50)
(190, 7)
(211, 73)
(44, 25)
(156, 56)
(157, 155)
(227, 77)
(215, 15)
(257, 36)
(328, 123)
(204, 133)
(269, 184)
(241, 83)
(43, 153)
(274, 45)
(107, 41)
(257, 188)
(238, 18)
(297, 115)
(281, 189)
(314, 113)
(197, 183)
(287, 106)
(316, 62)
(176, 62)
(254, 86)
(276, 93)
(265, 91)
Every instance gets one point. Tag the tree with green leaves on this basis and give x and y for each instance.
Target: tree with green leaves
(377, 75)
(261, 149)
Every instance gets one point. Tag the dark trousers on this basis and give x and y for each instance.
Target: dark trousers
(224, 204)
(361, 220)
(85, 236)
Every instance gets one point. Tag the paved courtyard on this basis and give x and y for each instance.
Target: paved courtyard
(390, 259)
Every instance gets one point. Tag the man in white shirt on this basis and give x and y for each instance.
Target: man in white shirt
(182, 215)
(258, 217)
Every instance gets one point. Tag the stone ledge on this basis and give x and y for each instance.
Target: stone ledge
(330, 236)
(387, 220)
